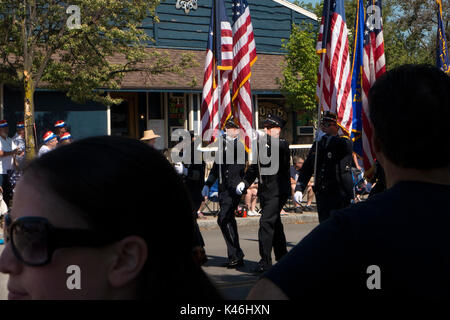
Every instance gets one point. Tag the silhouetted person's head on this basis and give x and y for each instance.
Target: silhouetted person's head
(96, 204)
(410, 113)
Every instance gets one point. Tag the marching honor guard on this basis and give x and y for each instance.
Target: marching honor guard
(229, 173)
(333, 183)
(193, 175)
(273, 191)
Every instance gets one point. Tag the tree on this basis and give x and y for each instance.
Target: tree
(409, 37)
(410, 30)
(43, 45)
(300, 70)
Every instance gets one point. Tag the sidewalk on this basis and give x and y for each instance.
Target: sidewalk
(210, 223)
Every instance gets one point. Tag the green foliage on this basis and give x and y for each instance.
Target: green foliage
(409, 36)
(34, 38)
(300, 70)
(410, 31)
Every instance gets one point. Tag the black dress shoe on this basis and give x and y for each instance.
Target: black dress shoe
(234, 263)
(262, 267)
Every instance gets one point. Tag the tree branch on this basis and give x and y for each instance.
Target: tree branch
(49, 52)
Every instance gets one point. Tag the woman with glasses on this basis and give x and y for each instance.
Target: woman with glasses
(98, 218)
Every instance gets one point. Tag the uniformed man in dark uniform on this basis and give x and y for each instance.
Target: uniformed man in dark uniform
(229, 173)
(273, 192)
(333, 184)
(193, 175)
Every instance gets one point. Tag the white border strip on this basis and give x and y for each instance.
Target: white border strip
(108, 120)
(300, 146)
(297, 9)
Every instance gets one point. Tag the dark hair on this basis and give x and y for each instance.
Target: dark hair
(296, 159)
(120, 186)
(410, 112)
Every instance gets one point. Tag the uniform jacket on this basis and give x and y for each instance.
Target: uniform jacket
(232, 173)
(195, 178)
(334, 165)
(272, 185)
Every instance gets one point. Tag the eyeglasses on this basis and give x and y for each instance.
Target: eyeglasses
(34, 239)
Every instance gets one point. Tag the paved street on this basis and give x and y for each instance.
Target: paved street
(235, 284)
(3, 282)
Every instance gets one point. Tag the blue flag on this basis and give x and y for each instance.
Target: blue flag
(442, 58)
(357, 66)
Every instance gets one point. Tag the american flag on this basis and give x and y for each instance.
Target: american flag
(218, 66)
(374, 65)
(244, 56)
(334, 89)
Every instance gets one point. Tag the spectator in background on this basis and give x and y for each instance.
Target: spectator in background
(65, 216)
(295, 169)
(50, 143)
(150, 138)
(65, 138)
(7, 152)
(60, 127)
(19, 160)
(250, 199)
(359, 181)
(19, 141)
(357, 162)
(309, 195)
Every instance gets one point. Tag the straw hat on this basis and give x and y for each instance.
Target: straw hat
(149, 134)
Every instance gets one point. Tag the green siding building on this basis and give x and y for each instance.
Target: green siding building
(167, 102)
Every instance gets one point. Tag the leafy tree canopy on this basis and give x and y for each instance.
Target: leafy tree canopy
(35, 39)
(409, 37)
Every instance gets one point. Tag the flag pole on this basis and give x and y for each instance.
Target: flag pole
(319, 114)
(325, 16)
(219, 88)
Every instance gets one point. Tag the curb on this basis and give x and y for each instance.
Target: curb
(211, 223)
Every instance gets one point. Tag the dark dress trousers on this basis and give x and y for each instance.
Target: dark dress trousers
(273, 192)
(231, 173)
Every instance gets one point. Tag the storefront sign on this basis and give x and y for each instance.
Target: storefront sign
(176, 111)
(187, 5)
(266, 108)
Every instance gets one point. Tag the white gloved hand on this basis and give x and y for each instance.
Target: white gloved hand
(240, 188)
(179, 168)
(298, 196)
(260, 133)
(205, 191)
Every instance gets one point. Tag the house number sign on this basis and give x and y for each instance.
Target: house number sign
(187, 5)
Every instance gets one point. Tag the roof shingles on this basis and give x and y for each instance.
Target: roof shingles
(265, 71)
